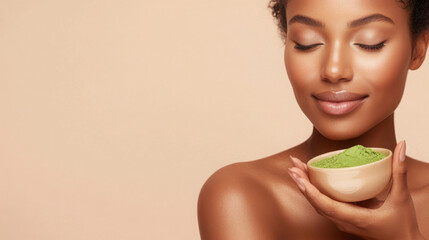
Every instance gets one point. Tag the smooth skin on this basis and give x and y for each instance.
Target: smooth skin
(271, 198)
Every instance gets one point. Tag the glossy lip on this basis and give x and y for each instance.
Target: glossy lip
(339, 103)
(340, 96)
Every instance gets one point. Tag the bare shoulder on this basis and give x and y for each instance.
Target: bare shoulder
(418, 183)
(258, 200)
(239, 193)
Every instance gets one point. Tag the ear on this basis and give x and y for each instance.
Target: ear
(419, 51)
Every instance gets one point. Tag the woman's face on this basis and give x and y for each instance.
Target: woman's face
(337, 47)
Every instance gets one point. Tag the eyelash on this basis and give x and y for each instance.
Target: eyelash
(366, 47)
(305, 47)
(371, 47)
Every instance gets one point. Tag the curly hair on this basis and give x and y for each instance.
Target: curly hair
(419, 17)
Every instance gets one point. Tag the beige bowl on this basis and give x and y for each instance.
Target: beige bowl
(352, 184)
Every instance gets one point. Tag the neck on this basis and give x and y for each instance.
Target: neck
(382, 135)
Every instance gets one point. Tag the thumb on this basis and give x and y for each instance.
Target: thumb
(399, 191)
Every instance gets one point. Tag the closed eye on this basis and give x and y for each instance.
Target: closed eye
(305, 47)
(371, 47)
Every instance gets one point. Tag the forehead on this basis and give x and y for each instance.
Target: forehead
(340, 12)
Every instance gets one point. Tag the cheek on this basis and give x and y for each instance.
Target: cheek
(301, 70)
(385, 74)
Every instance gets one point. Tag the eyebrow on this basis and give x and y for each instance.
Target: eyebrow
(306, 20)
(355, 23)
(368, 19)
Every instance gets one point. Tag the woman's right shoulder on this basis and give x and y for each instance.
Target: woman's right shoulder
(231, 181)
(245, 178)
(240, 179)
(237, 194)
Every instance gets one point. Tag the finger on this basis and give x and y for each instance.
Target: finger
(399, 190)
(298, 163)
(295, 178)
(334, 210)
(299, 172)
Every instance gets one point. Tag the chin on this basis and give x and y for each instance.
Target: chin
(338, 133)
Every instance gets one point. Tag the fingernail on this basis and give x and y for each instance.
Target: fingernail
(297, 180)
(300, 184)
(292, 174)
(402, 153)
(294, 160)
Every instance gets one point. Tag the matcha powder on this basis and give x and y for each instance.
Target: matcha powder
(351, 157)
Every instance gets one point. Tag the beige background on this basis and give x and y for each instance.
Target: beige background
(115, 112)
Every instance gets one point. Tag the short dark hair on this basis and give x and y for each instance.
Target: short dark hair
(419, 15)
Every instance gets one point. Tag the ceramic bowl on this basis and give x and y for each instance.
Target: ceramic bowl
(352, 184)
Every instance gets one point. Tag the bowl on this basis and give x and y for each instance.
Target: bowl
(352, 184)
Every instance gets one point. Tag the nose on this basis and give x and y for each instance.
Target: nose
(336, 65)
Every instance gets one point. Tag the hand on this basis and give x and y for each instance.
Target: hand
(394, 218)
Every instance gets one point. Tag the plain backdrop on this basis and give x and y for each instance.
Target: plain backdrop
(113, 113)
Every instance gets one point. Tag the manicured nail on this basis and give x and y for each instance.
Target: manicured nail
(293, 160)
(292, 174)
(402, 153)
(297, 180)
(300, 184)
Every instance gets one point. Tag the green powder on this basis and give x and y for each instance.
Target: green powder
(351, 157)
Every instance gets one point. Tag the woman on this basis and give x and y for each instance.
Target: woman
(347, 62)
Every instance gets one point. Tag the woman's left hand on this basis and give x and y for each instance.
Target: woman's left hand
(394, 218)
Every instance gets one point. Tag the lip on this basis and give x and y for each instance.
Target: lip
(339, 103)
